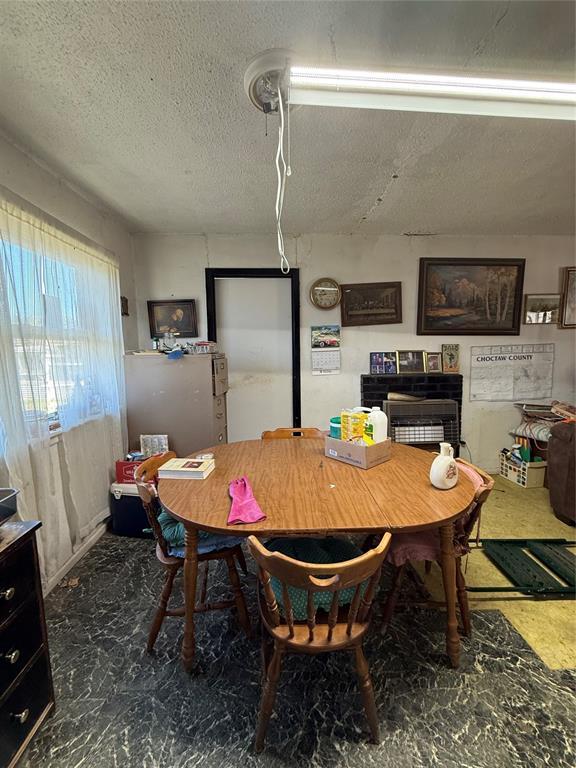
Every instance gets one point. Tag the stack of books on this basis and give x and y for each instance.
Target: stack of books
(186, 469)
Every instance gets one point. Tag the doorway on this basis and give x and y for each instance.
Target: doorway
(254, 315)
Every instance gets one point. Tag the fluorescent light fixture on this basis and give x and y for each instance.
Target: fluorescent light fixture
(432, 93)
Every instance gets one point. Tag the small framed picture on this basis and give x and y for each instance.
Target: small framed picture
(568, 309)
(434, 362)
(383, 362)
(325, 336)
(411, 361)
(541, 308)
(177, 317)
(450, 358)
(151, 444)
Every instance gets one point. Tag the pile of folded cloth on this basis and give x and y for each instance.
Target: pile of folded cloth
(536, 423)
(537, 419)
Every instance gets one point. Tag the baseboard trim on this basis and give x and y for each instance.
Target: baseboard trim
(89, 542)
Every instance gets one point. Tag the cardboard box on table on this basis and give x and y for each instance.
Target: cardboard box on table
(363, 456)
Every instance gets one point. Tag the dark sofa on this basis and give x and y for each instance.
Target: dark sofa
(562, 471)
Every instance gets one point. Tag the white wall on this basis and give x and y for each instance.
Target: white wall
(173, 266)
(32, 181)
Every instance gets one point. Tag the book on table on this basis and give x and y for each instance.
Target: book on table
(186, 469)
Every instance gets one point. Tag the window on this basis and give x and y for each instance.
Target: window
(63, 306)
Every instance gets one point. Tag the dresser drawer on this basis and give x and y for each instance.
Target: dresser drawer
(220, 379)
(22, 709)
(18, 643)
(219, 412)
(17, 579)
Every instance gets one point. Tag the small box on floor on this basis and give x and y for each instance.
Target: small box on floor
(125, 471)
(128, 517)
(363, 456)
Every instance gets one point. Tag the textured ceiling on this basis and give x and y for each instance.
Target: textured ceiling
(142, 104)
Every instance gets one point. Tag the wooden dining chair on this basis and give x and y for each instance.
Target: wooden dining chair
(288, 598)
(425, 546)
(209, 548)
(284, 433)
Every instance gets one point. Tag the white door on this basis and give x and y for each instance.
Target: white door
(254, 330)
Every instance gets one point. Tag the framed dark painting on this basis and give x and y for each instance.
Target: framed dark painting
(177, 317)
(371, 303)
(568, 302)
(470, 296)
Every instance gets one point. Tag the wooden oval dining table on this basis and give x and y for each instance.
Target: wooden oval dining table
(304, 493)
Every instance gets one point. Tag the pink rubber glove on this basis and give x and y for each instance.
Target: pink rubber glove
(244, 507)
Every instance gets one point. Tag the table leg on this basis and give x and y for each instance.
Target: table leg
(190, 578)
(448, 563)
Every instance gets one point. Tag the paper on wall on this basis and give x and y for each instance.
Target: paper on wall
(511, 372)
(325, 361)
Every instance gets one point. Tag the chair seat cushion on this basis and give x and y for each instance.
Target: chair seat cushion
(170, 560)
(174, 532)
(208, 542)
(320, 551)
(425, 545)
(421, 545)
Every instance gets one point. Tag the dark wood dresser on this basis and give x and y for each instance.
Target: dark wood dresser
(26, 691)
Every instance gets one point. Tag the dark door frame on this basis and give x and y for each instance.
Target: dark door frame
(212, 274)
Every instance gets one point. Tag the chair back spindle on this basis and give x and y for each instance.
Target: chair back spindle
(368, 596)
(354, 606)
(288, 611)
(310, 614)
(269, 596)
(333, 614)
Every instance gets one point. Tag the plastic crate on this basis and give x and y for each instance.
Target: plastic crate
(528, 474)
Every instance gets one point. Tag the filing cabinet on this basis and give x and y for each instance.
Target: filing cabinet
(184, 399)
(26, 690)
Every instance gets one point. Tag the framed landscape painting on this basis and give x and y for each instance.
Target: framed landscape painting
(470, 296)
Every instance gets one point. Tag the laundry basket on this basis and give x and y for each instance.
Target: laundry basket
(528, 474)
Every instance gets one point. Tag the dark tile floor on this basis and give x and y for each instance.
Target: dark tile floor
(116, 706)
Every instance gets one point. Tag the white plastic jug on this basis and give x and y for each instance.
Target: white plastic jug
(379, 421)
(444, 470)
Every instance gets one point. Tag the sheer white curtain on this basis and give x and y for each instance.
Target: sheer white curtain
(60, 363)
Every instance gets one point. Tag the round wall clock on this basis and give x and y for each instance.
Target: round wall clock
(325, 293)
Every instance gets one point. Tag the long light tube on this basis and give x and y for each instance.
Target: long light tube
(432, 93)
